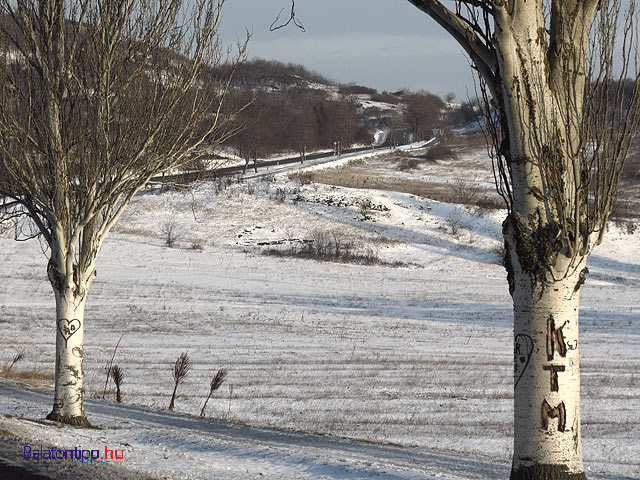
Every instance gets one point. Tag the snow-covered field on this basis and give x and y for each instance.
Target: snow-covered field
(416, 355)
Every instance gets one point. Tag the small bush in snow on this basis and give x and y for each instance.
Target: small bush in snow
(303, 178)
(627, 226)
(440, 152)
(281, 195)
(170, 234)
(472, 238)
(464, 193)
(366, 207)
(197, 245)
(407, 164)
(268, 179)
(117, 374)
(453, 223)
(332, 246)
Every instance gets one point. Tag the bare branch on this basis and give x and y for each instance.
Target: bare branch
(292, 18)
(466, 33)
(95, 105)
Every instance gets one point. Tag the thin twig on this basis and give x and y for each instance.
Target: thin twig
(292, 18)
(106, 383)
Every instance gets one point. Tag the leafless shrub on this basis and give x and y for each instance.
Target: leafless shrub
(627, 226)
(222, 183)
(465, 194)
(197, 245)
(407, 164)
(370, 257)
(196, 165)
(267, 179)
(169, 232)
(181, 371)
(230, 396)
(472, 238)
(333, 246)
(365, 207)
(453, 223)
(280, 195)
(632, 227)
(353, 89)
(337, 242)
(386, 97)
(440, 152)
(304, 178)
(117, 374)
(356, 161)
(320, 243)
(216, 383)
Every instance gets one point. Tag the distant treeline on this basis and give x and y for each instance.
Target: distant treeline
(293, 109)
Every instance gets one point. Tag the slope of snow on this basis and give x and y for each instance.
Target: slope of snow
(419, 355)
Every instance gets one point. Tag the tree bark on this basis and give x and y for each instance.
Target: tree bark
(547, 439)
(546, 266)
(69, 387)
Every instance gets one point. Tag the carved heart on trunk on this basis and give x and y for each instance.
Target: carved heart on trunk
(68, 328)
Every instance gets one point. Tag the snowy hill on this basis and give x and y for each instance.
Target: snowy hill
(406, 346)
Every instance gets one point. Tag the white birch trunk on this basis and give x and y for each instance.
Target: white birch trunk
(547, 440)
(69, 389)
(70, 286)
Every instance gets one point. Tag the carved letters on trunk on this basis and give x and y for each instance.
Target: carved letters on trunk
(555, 343)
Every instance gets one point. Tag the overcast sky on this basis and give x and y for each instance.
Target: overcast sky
(385, 44)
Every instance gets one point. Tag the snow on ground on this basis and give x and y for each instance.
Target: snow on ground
(151, 443)
(417, 355)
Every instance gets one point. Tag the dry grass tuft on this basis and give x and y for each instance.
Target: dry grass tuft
(31, 377)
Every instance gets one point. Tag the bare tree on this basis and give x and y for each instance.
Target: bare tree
(559, 136)
(423, 113)
(336, 121)
(255, 136)
(393, 122)
(299, 132)
(95, 99)
(555, 78)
